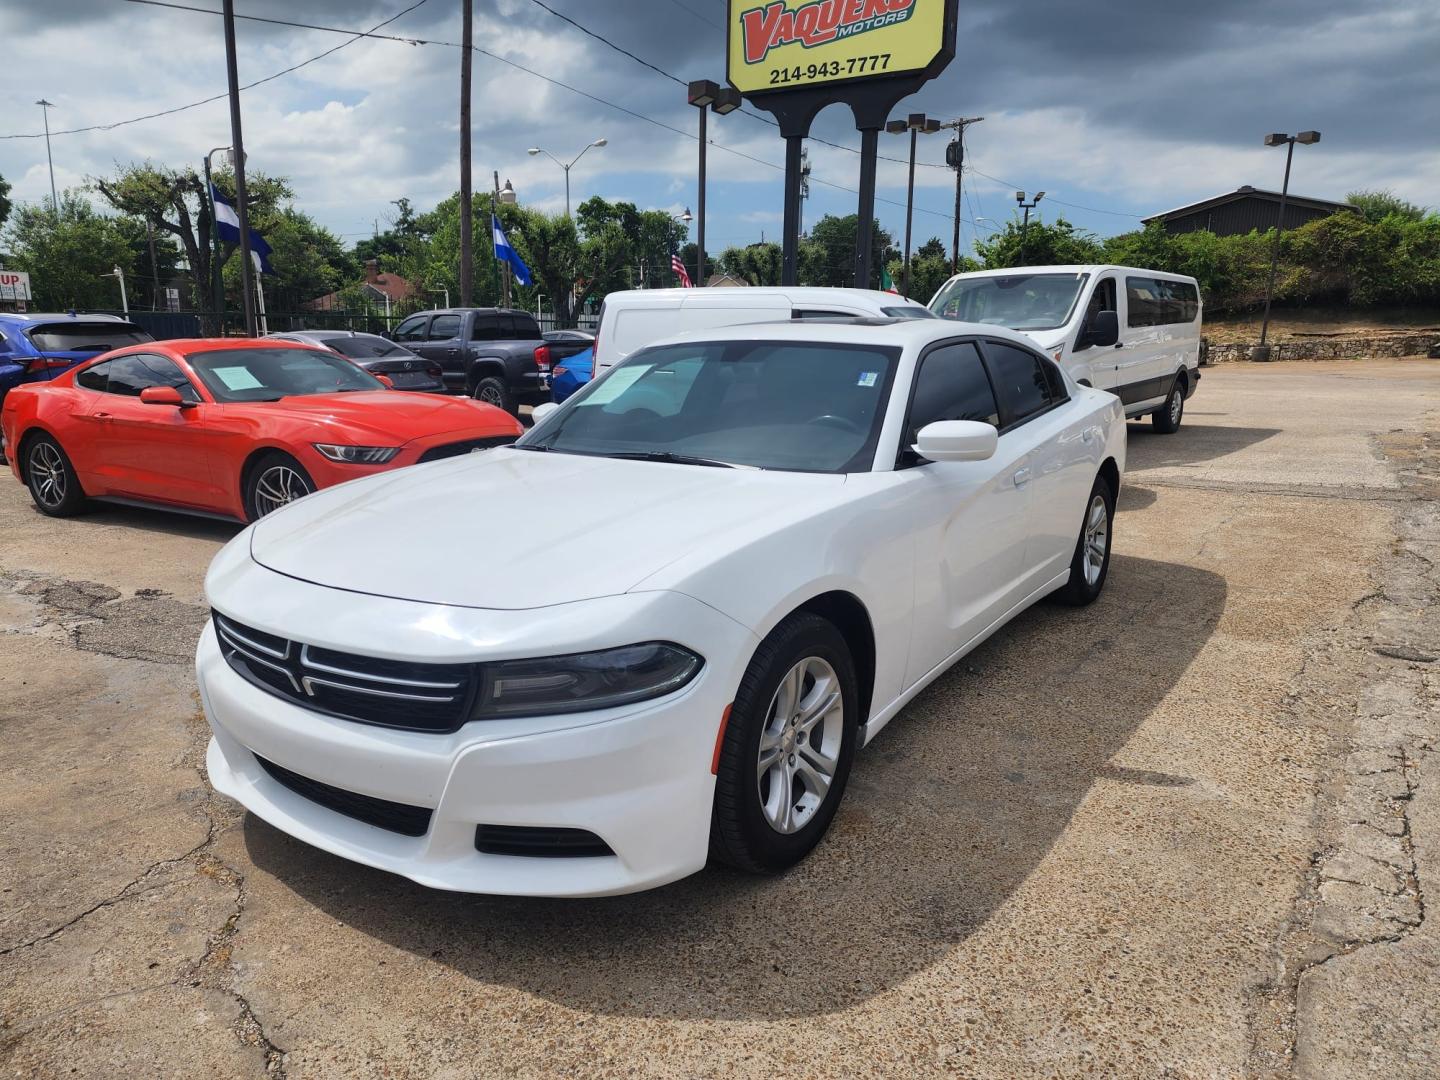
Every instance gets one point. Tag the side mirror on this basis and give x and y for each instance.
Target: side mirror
(387, 335)
(163, 395)
(389, 383)
(544, 409)
(956, 440)
(1104, 329)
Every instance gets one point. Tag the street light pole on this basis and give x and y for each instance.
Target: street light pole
(1025, 225)
(238, 143)
(704, 95)
(45, 107)
(955, 158)
(539, 150)
(1306, 138)
(467, 225)
(124, 300)
(915, 124)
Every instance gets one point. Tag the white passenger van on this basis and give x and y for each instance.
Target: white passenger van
(635, 318)
(1133, 332)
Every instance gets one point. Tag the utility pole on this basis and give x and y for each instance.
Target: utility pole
(955, 158)
(467, 268)
(804, 184)
(501, 274)
(45, 107)
(154, 267)
(238, 146)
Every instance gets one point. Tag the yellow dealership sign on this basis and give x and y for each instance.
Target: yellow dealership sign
(788, 44)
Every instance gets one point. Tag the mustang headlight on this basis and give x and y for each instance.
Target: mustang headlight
(583, 681)
(357, 455)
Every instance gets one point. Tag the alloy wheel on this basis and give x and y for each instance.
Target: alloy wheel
(490, 396)
(1177, 402)
(1097, 534)
(47, 474)
(278, 486)
(800, 745)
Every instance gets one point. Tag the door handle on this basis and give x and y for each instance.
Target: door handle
(1021, 476)
(101, 415)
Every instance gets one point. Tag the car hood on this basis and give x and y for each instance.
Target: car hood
(392, 415)
(521, 529)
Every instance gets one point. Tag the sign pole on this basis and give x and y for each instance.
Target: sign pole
(790, 248)
(865, 226)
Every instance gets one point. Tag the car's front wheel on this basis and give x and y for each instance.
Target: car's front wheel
(51, 478)
(787, 748)
(274, 481)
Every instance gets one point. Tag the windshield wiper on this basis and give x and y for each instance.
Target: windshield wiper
(676, 459)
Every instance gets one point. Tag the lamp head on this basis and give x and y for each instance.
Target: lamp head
(533, 151)
(1278, 138)
(895, 127)
(600, 142)
(1308, 137)
(1039, 195)
(727, 101)
(702, 92)
(1019, 196)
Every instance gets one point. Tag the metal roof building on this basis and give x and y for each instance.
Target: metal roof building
(1246, 208)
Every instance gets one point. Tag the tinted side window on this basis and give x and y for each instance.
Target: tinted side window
(526, 329)
(131, 374)
(1147, 301)
(950, 384)
(820, 313)
(1022, 383)
(487, 328)
(444, 327)
(1183, 302)
(93, 378)
(412, 329)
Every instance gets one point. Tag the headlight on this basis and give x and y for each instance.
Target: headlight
(358, 455)
(582, 681)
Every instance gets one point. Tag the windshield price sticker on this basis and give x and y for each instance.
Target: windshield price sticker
(785, 43)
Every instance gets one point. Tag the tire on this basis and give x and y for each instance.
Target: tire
(492, 390)
(1167, 417)
(51, 478)
(273, 481)
(1086, 581)
(754, 827)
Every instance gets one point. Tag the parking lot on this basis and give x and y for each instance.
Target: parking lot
(1184, 832)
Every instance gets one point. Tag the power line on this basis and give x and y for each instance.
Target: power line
(686, 7)
(355, 35)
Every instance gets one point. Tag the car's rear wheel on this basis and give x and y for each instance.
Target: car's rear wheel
(1090, 564)
(1167, 417)
(51, 478)
(274, 481)
(492, 390)
(787, 748)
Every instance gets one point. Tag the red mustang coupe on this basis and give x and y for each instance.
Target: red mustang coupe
(225, 427)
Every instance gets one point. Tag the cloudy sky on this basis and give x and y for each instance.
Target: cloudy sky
(1115, 109)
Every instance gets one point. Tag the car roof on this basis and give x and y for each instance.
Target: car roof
(27, 318)
(1069, 268)
(801, 294)
(860, 331)
(199, 345)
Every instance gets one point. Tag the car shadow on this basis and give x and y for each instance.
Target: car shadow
(1192, 444)
(952, 807)
(155, 521)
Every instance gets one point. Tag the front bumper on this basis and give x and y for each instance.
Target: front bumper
(638, 777)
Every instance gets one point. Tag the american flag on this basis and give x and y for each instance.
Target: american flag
(679, 268)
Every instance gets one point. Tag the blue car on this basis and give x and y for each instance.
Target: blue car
(37, 348)
(571, 374)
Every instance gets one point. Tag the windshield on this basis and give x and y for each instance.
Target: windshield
(807, 407)
(269, 374)
(1019, 301)
(86, 337)
(365, 347)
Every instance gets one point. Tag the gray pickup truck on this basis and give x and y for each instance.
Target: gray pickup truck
(492, 354)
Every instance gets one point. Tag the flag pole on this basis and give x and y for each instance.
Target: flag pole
(260, 299)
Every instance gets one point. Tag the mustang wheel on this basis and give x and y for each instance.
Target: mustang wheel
(51, 478)
(1091, 562)
(275, 480)
(787, 749)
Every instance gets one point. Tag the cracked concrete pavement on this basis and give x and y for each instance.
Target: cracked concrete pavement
(1187, 832)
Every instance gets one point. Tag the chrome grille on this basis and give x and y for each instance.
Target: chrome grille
(370, 690)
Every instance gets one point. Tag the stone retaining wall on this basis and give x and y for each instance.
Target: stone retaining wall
(1348, 348)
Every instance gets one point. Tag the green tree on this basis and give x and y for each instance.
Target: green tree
(759, 264)
(827, 256)
(175, 202)
(1044, 245)
(4, 201)
(70, 255)
(1379, 204)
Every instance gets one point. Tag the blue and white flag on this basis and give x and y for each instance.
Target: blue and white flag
(227, 225)
(504, 251)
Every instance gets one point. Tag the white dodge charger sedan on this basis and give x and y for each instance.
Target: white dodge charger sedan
(657, 628)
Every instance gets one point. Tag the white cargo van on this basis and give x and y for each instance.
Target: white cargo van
(635, 318)
(1133, 332)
